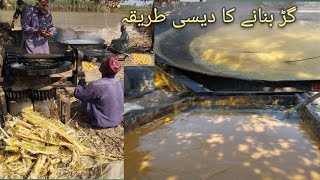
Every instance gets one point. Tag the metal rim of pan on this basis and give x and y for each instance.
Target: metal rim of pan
(21, 69)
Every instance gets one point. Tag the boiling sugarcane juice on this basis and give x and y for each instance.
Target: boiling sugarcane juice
(221, 145)
(261, 52)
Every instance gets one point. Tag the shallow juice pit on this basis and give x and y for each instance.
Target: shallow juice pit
(222, 144)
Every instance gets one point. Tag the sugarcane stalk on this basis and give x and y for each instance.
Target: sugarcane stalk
(37, 167)
(4, 132)
(42, 122)
(12, 158)
(36, 149)
(32, 147)
(52, 142)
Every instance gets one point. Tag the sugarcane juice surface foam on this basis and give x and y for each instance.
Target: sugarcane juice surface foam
(260, 52)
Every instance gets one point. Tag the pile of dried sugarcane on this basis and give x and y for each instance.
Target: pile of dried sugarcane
(87, 66)
(141, 59)
(35, 147)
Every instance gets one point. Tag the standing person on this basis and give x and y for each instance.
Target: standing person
(103, 98)
(21, 6)
(36, 28)
(122, 43)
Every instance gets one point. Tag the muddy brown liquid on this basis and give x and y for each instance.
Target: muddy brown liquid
(221, 145)
(261, 52)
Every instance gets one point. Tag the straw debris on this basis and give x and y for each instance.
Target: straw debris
(34, 147)
(141, 59)
(87, 66)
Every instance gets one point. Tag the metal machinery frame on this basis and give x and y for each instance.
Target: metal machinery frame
(30, 78)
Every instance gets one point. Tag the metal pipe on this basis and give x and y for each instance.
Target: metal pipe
(40, 56)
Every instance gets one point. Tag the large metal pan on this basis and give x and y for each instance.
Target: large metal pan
(93, 41)
(82, 40)
(172, 45)
(88, 43)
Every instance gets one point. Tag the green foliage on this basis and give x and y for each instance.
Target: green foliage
(86, 6)
(125, 9)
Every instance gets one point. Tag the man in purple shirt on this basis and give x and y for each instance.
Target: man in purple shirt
(37, 26)
(103, 98)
